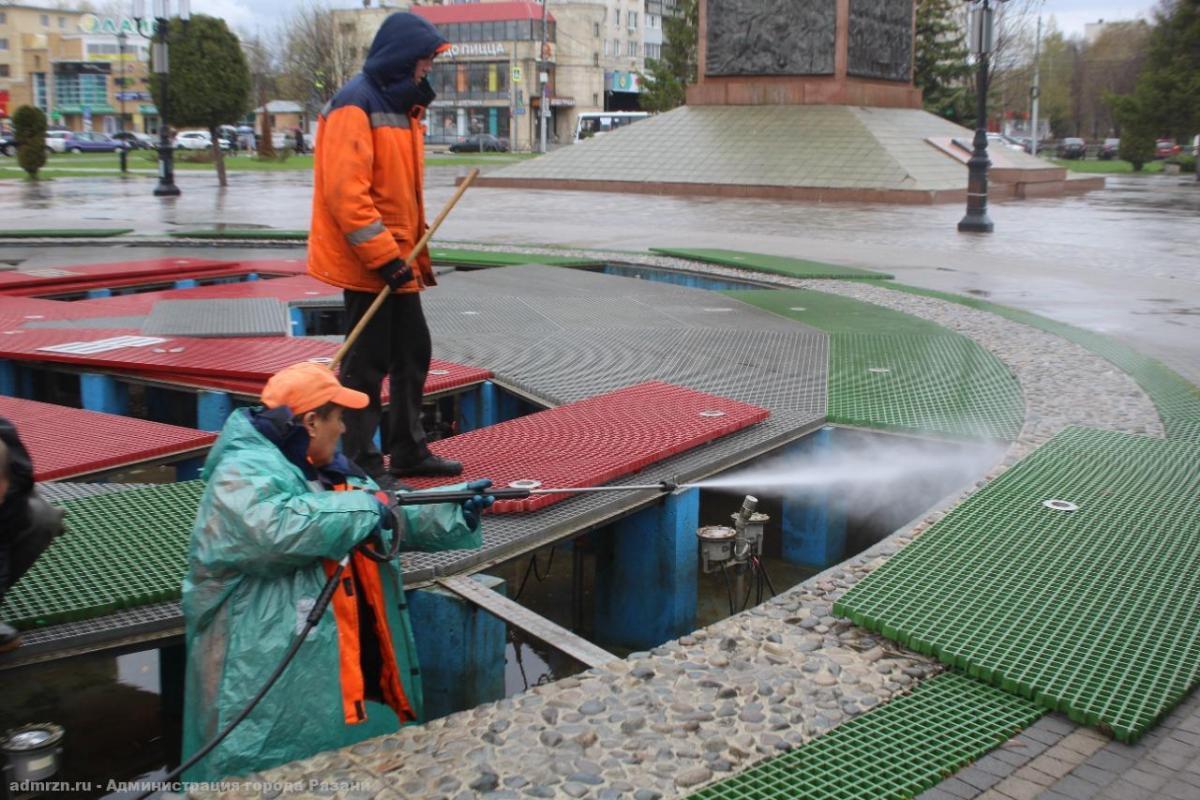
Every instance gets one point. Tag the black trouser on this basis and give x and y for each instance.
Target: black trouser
(21, 547)
(396, 345)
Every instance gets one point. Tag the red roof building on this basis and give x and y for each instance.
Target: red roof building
(481, 12)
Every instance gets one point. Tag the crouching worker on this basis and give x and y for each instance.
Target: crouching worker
(27, 522)
(279, 509)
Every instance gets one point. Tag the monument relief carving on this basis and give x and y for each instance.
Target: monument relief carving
(770, 37)
(880, 39)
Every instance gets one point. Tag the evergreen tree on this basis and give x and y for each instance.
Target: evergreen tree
(1166, 101)
(665, 87)
(29, 128)
(209, 79)
(940, 67)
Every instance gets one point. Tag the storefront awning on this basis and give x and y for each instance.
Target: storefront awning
(148, 108)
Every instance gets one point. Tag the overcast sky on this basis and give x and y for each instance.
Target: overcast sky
(249, 16)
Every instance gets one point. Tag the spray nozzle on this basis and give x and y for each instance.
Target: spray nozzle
(668, 485)
(746, 511)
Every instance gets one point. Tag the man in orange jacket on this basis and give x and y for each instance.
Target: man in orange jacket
(368, 213)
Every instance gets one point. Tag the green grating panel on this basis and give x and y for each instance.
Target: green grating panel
(1177, 400)
(1091, 612)
(120, 550)
(896, 371)
(778, 265)
(243, 233)
(490, 258)
(896, 751)
(64, 233)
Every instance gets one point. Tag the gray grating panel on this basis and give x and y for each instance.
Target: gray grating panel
(91, 322)
(254, 316)
(59, 491)
(563, 335)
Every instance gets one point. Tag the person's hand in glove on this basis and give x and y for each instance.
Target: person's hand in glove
(396, 273)
(389, 512)
(473, 507)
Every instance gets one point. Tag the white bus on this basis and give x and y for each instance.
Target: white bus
(594, 123)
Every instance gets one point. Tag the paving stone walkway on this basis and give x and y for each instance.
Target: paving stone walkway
(1054, 759)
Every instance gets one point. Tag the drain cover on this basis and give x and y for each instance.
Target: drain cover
(1060, 505)
(524, 483)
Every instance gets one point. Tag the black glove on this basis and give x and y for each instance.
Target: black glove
(473, 507)
(396, 273)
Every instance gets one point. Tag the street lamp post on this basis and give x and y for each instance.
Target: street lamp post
(166, 154)
(976, 219)
(124, 154)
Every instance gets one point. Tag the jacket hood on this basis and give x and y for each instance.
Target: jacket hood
(402, 40)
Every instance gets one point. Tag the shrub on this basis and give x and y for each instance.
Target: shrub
(1186, 162)
(1137, 147)
(29, 126)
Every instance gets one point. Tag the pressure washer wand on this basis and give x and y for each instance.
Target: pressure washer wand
(520, 493)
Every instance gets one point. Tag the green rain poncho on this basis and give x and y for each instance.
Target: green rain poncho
(255, 567)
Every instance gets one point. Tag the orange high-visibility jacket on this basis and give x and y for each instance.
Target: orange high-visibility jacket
(368, 176)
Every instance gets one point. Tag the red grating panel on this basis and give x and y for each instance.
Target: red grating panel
(456, 376)
(593, 441)
(17, 311)
(67, 442)
(97, 274)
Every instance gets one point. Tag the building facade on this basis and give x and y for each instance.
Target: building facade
(85, 72)
(493, 80)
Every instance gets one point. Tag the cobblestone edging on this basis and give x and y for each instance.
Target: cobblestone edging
(662, 723)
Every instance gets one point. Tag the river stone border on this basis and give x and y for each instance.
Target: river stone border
(663, 723)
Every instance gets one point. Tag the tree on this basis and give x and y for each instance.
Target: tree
(29, 127)
(940, 64)
(1168, 90)
(1137, 146)
(317, 58)
(264, 75)
(665, 87)
(209, 79)
(1111, 67)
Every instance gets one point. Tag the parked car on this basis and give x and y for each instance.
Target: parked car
(1001, 141)
(92, 142)
(1072, 147)
(136, 140)
(1109, 149)
(1165, 148)
(8, 144)
(56, 140)
(196, 140)
(480, 143)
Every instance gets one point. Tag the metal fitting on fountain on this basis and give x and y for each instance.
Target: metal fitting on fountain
(716, 546)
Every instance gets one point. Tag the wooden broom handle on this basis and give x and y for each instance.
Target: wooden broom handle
(412, 257)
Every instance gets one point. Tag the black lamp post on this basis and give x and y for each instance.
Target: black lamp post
(121, 83)
(976, 219)
(166, 152)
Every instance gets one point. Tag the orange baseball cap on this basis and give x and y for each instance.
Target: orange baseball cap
(308, 385)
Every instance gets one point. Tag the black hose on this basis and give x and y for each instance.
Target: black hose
(767, 575)
(728, 589)
(314, 616)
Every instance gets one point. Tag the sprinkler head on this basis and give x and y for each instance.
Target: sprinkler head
(668, 486)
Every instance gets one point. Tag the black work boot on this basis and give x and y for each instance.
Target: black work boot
(430, 465)
(10, 638)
